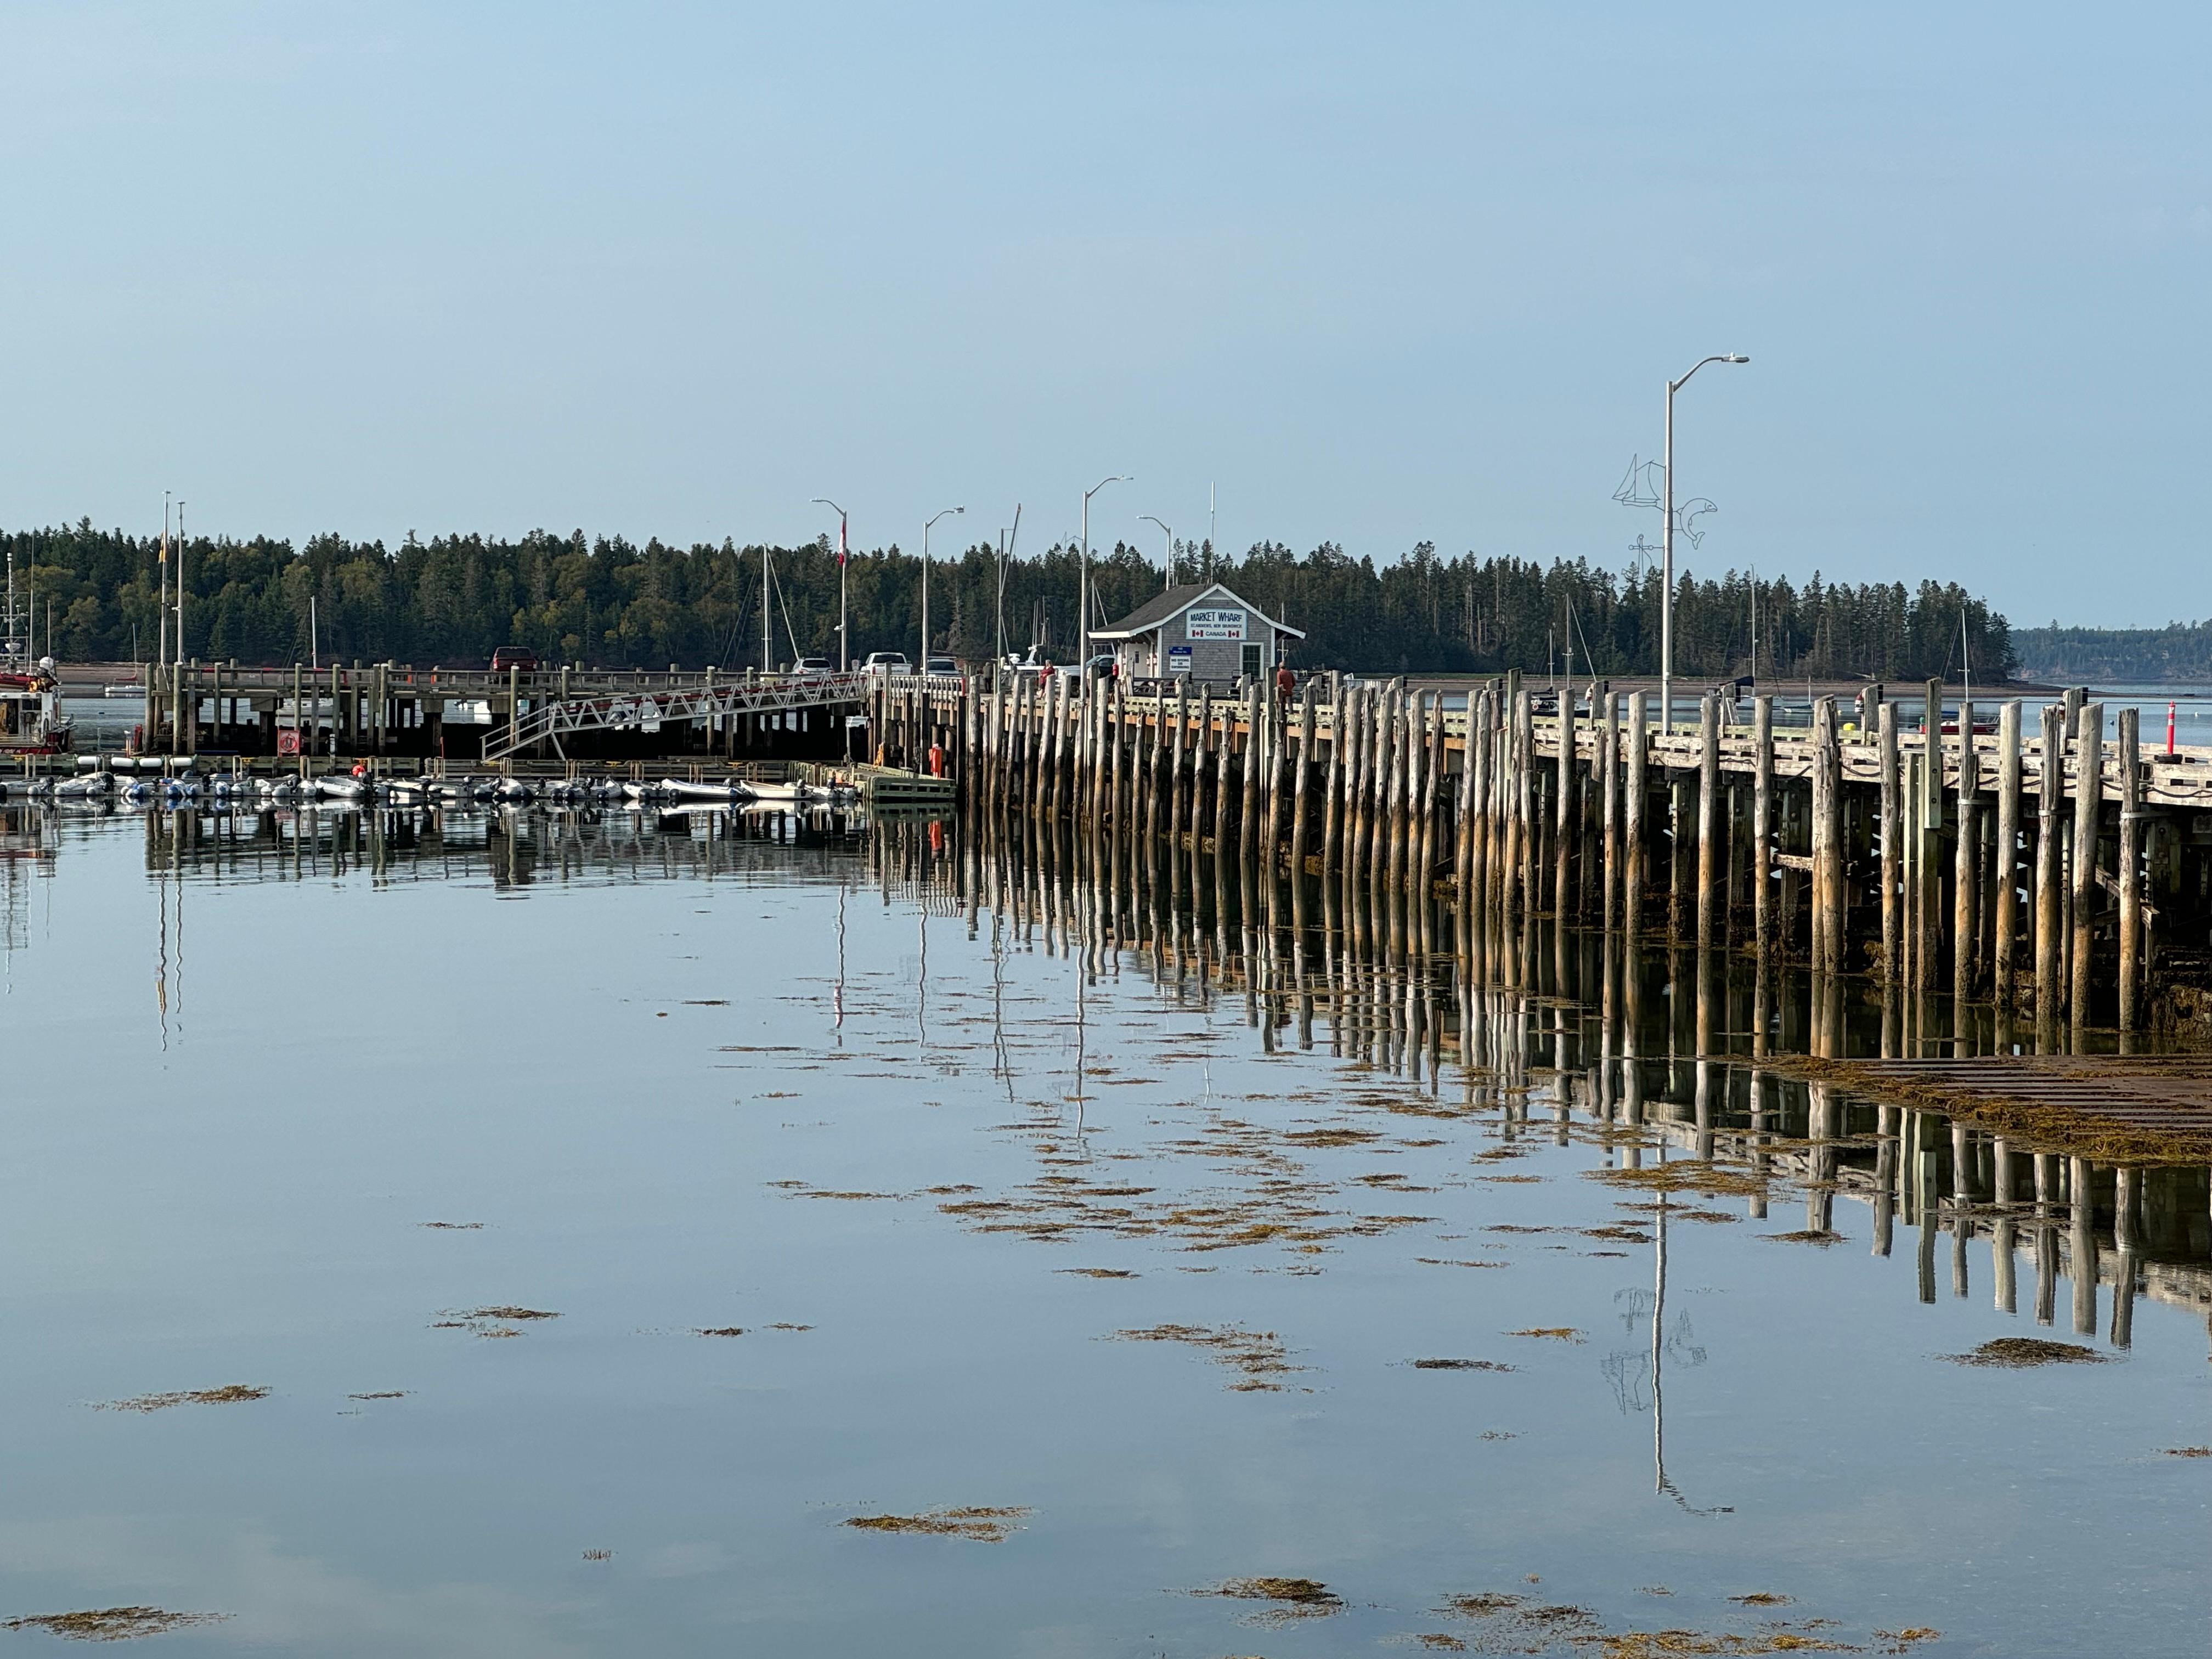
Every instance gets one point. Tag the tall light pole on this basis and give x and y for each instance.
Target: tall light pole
(180, 582)
(1083, 588)
(1666, 545)
(921, 663)
(843, 660)
(162, 603)
(1167, 558)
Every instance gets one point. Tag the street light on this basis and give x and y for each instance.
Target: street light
(1167, 558)
(843, 657)
(921, 664)
(1666, 545)
(1082, 590)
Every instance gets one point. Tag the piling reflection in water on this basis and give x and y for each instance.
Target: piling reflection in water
(1655, 1054)
(1573, 1033)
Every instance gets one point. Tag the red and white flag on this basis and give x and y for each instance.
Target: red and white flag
(840, 539)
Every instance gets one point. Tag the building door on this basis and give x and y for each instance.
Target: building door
(1252, 663)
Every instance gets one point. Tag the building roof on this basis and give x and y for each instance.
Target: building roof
(1166, 607)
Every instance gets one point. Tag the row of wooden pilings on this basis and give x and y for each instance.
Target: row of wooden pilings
(2016, 870)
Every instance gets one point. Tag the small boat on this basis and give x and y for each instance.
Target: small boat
(31, 718)
(684, 789)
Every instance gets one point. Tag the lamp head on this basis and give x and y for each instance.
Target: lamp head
(1735, 358)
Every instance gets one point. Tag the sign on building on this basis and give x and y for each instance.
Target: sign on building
(1216, 624)
(1178, 660)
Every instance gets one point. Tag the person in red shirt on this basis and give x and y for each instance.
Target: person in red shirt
(1285, 682)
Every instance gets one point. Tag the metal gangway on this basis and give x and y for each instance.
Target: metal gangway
(548, 722)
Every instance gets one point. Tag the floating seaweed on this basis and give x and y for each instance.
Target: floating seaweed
(1258, 1358)
(229, 1395)
(984, 1525)
(2018, 1352)
(1293, 1598)
(1558, 1333)
(1520, 1624)
(1461, 1365)
(112, 1624)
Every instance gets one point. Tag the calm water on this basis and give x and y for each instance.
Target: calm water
(890, 1088)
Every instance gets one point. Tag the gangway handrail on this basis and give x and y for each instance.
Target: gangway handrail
(619, 711)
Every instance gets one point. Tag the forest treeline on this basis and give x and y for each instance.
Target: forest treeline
(2088, 656)
(614, 603)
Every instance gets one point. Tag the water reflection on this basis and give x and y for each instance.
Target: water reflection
(916, 1211)
(1656, 1051)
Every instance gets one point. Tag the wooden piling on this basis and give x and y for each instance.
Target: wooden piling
(1299, 812)
(2051, 788)
(1251, 778)
(1710, 899)
(2005, 866)
(1762, 827)
(1332, 788)
(1609, 779)
(1638, 738)
(1966, 871)
(2130, 872)
(2088, 801)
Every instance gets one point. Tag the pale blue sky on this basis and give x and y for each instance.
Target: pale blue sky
(1384, 272)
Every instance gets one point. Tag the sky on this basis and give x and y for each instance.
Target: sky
(1373, 274)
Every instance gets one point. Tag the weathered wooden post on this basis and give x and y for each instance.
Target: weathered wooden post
(1332, 790)
(2130, 872)
(1563, 802)
(1228, 764)
(1828, 839)
(1299, 813)
(1253, 693)
(1762, 826)
(1710, 899)
(2050, 785)
(1609, 813)
(1176, 787)
(2089, 804)
(2006, 864)
(1966, 870)
(1394, 787)
(1432, 783)
(1638, 736)
(1466, 830)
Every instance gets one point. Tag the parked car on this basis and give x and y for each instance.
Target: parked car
(886, 662)
(1103, 666)
(814, 666)
(514, 656)
(940, 665)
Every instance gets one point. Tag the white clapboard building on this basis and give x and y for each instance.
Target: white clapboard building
(1201, 630)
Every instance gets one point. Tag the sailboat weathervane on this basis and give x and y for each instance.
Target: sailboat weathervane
(1644, 484)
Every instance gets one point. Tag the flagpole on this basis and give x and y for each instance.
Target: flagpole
(161, 602)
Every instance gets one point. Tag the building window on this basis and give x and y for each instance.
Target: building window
(1252, 663)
